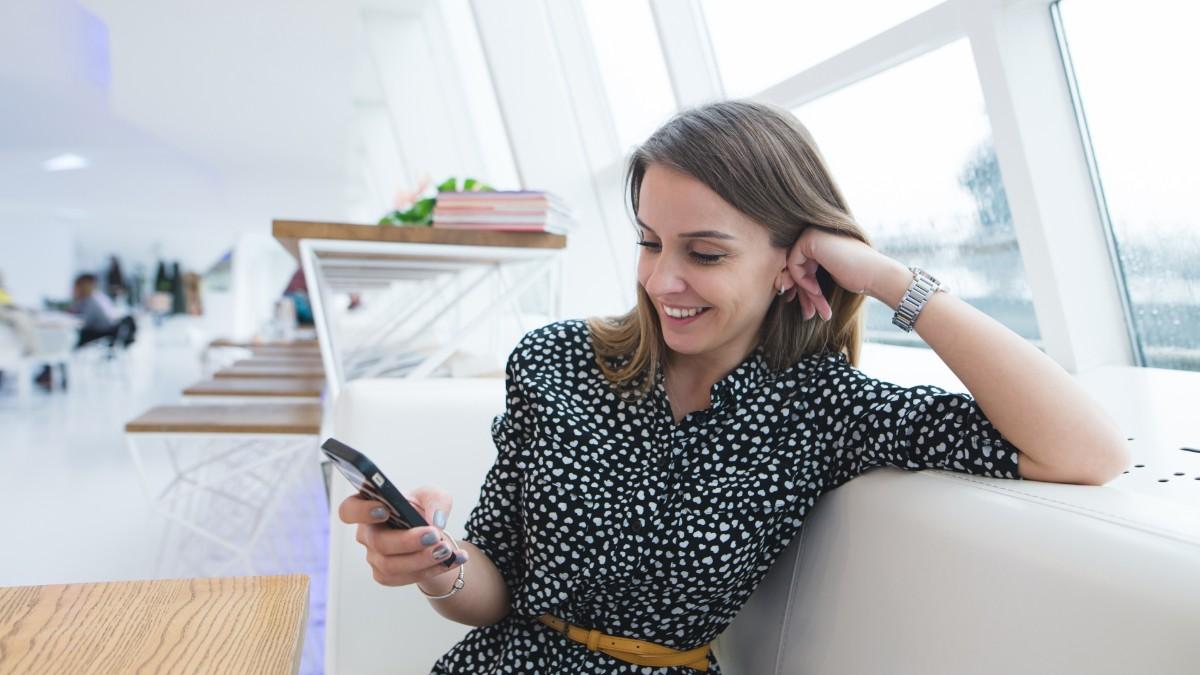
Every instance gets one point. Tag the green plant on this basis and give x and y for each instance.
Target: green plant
(420, 213)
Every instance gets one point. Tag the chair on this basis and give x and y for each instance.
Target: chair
(895, 572)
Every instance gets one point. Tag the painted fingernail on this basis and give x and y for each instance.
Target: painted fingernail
(379, 513)
(428, 538)
(441, 553)
(460, 558)
(439, 519)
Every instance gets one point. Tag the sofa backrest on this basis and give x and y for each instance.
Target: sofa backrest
(895, 572)
(434, 431)
(938, 573)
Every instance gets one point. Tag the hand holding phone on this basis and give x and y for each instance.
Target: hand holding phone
(402, 547)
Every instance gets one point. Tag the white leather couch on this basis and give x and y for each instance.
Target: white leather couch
(930, 572)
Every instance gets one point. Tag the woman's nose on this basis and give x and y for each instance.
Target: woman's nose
(664, 279)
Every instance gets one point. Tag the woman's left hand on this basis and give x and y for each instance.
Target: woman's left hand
(854, 266)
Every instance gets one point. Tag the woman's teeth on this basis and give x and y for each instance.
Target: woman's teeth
(682, 313)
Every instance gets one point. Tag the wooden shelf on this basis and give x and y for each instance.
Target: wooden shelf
(250, 369)
(260, 418)
(258, 386)
(290, 232)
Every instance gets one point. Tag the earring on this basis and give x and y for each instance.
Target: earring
(782, 290)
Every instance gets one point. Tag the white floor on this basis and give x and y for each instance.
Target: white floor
(72, 508)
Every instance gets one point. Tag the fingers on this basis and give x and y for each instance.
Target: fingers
(436, 503)
(390, 541)
(400, 570)
(355, 509)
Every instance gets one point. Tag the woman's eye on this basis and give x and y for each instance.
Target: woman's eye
(649, 245)
(707, 258)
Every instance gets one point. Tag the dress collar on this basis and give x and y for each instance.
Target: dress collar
(734, 386)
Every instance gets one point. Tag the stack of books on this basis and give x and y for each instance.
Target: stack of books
(503, 210)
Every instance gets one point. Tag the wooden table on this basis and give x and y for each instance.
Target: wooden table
(264, 387)
(273, 344)
(301, 360)
(296, 418)
(241, 369)
(231, 625)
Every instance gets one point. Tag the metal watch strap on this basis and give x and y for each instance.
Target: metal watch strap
(923, 286)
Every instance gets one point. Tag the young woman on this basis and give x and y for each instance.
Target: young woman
(652, 466)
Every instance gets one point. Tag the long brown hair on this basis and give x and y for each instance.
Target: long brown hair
(763, 162)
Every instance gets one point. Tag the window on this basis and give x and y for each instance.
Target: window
(760, 42)
(911, 149)
(631, 65)
(1139, 115)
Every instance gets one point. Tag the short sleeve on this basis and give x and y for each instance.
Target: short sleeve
(913, 428)
(494, 525)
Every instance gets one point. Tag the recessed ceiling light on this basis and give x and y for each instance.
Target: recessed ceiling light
(66, 162)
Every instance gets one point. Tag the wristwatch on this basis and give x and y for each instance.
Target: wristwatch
(923, 286)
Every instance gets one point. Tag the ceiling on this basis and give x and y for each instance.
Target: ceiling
(200, 120)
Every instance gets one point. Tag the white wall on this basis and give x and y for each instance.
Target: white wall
(37, 261)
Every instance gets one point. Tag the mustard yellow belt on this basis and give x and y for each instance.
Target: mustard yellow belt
(637, 652)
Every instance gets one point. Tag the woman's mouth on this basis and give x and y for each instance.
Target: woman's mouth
(680, 316)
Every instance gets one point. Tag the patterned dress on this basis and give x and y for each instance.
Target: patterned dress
(609, 515)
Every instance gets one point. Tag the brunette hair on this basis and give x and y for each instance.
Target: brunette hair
(764, 163)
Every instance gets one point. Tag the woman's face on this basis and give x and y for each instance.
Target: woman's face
(700, 252)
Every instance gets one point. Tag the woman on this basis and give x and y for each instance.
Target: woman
(652, 466)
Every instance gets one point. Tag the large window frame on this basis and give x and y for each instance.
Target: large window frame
(1078, 299)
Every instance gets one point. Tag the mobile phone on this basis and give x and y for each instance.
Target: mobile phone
(372, 484)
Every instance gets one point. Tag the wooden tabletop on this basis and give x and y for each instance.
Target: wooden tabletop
(290, 232)
(303, 360)
(231, 625)
(259, 418)
(271, 344)
(313, 371)
(258, 386)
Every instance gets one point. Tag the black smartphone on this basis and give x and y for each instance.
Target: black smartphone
(372, 484)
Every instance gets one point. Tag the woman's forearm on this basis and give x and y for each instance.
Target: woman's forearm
(484, 598)
(1062, 433)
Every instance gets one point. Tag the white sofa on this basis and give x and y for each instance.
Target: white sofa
(896, 572)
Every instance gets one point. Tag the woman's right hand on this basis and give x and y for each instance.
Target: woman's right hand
(402, 557)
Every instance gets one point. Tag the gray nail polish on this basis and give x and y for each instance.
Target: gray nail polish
(460, 558)
(441, 553)
(378, 513)
(439, 519)
(428, 538)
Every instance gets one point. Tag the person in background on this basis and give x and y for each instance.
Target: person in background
(99, 316)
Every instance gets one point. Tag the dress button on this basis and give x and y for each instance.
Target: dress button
(664, 462)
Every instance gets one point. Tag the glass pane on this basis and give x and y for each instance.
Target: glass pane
(911, 149)
(1142, 116)
(760, 42)
(632, 67)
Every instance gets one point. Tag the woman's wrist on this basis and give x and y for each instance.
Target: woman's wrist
(890, 283)
(440, 584)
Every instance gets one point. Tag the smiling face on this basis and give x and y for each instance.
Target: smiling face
(704, 258)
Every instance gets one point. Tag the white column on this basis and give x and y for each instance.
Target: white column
(1058, 226)
(534, 57)
(688, 52)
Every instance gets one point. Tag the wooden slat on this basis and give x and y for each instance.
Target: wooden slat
(260, 418)
(258, 386)
(283, 360)
(177, 626)
(238, 370)
(290, 232)
(274, 344)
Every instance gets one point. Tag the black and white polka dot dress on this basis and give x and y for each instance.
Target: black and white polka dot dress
(611, 516)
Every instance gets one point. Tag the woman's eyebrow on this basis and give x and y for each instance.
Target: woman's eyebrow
(700, 234)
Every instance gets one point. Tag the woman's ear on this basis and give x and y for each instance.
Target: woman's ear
(784, 280)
